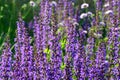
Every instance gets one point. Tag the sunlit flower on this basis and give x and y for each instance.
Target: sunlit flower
(106, 5)
(83, 15)
(89, 13)
(85, 31)
(54, 3)
(97, 35)
(32, 3)
(75, 24)
(61, 23)
(84, 5)
(108, 12)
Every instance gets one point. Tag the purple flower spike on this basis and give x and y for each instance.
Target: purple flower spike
(102, 64)
(90, 53)
(99, 5)
(24, 54)
(54, 71)
(6, 63)
(80, 58)
(17, 73)
(67, 73)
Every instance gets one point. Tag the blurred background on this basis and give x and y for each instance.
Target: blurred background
(9, 10)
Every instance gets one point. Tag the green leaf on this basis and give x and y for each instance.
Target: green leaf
(1, 8)
(106, 39)
(47, 51)
(63, 66)
(24, 6)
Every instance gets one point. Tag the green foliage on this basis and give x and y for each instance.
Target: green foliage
(74, 77)
(48, 51)
(63, 66)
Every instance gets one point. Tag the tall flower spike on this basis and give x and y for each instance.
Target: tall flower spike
(106, 10)
(60, 8)
(113, 44)
(44, 37)
(90, 46)
(17, 73)
(26, 55)
(98, 10)
(90, 53)
(17, 63)
(71, 36)
(99, 5)
(119, 10)
(71, 33)
(56, 52)
(80, 57)
(101, 68)
(67, 72)
(40, 42)
(115, 8)
(38, 47)
(102, 65)
(116, 21)
(6, 63)
(71, 9)
(70, 47)
(112, 16)
(46, 25)
(68, 9)
(114, 54)
(65, 14)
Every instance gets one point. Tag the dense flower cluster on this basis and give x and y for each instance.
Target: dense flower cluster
(60, 49)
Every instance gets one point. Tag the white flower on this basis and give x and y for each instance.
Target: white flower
(83, 15)
(85, 31)
(32, 3)
(89, 13)
(75, 24)
(54, 3)
(108, 12)
(84, 5)
(106, 61)
(97, 35)
(69, 18)
(61, 23)
(74, 20)
(117, 28)
(106, 5)
(73, 3)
